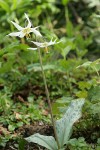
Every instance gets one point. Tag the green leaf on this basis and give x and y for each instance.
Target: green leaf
(4, 6)
(45, 141)
(95, 65)
(64, 2)
(14, 4)
(86, 64)
(94, 93)
(11, 127)
(64, 125)
(81, 94)
(36, 67)
(95, 108)
(65, 51)
(69, 28)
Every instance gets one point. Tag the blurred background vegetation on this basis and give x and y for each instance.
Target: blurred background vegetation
(77, 24)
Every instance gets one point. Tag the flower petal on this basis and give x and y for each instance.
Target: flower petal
(37, 43)
(17, 26)
(22, 34)
(36, 27)
(29, 23)
(45, 44)
(14, 34)
(32, 48)
(36, 32)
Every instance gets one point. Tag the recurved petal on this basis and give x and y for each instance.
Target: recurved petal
(29, 23)
(36, 27)
(32, 48)
(36, 32)
(37, 43)
(17, 26)
(50, 43)
(59, 41)
(14, 34)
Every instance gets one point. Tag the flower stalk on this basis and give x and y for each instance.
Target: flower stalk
(48, 98)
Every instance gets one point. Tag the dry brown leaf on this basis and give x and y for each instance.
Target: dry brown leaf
(4, 130)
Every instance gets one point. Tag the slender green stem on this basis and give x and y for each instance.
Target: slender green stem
(48, 98)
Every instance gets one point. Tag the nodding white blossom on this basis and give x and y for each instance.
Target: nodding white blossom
(25, 31)
(44, 45)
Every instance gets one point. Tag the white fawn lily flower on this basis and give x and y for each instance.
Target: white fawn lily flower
(25, 31)
(44, 45)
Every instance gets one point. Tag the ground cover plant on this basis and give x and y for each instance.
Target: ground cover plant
(65, 38)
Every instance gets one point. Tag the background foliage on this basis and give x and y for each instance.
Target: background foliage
(22, 96)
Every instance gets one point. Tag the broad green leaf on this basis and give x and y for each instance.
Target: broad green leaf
(81, 94)
(95, 65)
(65, 51)
(90, 63)
(11, 127)
(45, 141)
(64, 125)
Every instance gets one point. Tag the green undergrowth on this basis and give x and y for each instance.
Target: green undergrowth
(72, 68)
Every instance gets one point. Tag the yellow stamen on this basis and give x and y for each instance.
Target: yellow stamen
(28, 36)
(26, 30)
(46, 49)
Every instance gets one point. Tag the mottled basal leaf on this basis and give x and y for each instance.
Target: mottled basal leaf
(64, 125)
(45, 141)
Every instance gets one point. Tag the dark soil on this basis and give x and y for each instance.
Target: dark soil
(26, 131)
